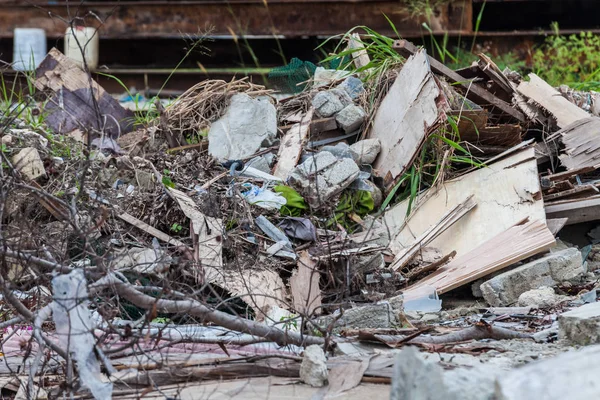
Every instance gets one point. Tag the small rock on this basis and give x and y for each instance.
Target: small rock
(353, 86)
(29, 163)
(247, 125)
(6, 139)
(350, 118)
(313, 370)
(365, 151)
(543, 297)
(376, 193)
(340, 150)
(430, 317)
(343, 96)
(581, 325)
(260, 163)
(379, 315)
(327, 104)
(413, 315)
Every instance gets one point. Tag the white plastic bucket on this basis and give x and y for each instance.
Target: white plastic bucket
(88, 41)
(29, 48)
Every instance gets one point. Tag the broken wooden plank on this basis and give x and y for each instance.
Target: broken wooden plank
(569, 174)
(359, 55)
(151, 230)
(544, 95)
(291, 146)
(473, 91)
(556, 224)
(72, 105)
(513, 245)
(577, 211)
(506, 192)
(405, 117)
(490, 68)
(304, 286)
(582, 143)
(446, 221)
(566, 193)
(208, 246)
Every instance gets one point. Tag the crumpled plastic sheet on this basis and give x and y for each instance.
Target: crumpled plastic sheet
(263, 198)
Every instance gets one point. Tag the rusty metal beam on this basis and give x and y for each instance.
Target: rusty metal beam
(287, 18)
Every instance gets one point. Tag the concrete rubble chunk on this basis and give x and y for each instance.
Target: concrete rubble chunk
(543, 297)
(555, 268)
(365, 151)
(353, 86)
(415, 377)
(327, 104)
(322, 177)
(342, 96)
(380, 315)
(248, 125)
(581, 325)
(340, 150)
(29, 163)
(572, 375)
(313, 370)
(350, 118)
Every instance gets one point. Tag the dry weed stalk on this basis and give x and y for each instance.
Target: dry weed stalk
(205, 102)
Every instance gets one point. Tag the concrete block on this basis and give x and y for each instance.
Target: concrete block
(543, 297)
(313, 370)
(581, 325)
(248, 125)
(322, 177)
(350, 118)
(505, 289)
(327, 104)
(353, 86)
(365, 151)
(380, 315)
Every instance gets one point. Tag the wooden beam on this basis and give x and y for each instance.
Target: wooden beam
(576, 211)
(177, 19)
(473, 91)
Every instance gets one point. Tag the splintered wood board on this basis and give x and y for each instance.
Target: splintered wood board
(209, 230)
(582, 144)
(505, 192)
(551, 100)
(291, 146)
(304, 286)
(405, 117)
(513, 245)
(577, 211)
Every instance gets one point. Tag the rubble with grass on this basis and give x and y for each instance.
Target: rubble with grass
(239, 232)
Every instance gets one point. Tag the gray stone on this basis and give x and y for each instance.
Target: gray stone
(142, 260)
(380, 315)
(543, 297)
(248, 125)
(327, 104)
(340, 150)
(353, 86)
(430, 318)
(6, 139)
(313, 370)
(581, 325)
(572, 375)
(260, 163)
(417, 378)
(322, 177)
(397, 302)
(350, 118)
(361, 264)
(342, 96)
(365, 151)
(555, 268)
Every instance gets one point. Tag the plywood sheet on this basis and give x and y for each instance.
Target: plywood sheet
(405, 117)
(505, 192)
(551, 100)
(304, 286)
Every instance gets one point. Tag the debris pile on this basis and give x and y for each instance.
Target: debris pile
(235, 222)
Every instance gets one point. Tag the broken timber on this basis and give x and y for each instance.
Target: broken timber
(544, 95)
(291, 146)
(473, 91)
(582, 143)
(405, 117)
